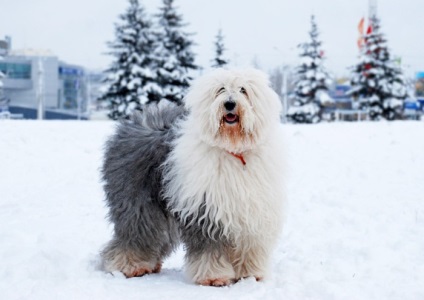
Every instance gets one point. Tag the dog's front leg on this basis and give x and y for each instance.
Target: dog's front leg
(212, 267)
(207, 260)
(255, 263)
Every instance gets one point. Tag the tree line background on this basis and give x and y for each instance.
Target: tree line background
(153, 60)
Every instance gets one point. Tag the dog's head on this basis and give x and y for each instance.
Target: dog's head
(233, 109)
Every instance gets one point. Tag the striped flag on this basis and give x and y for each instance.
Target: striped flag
(361, 26)
(361, 32)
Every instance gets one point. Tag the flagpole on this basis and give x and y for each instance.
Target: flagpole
(372, 8)
(40, 89)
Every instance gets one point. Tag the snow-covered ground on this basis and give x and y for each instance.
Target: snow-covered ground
(354, 228)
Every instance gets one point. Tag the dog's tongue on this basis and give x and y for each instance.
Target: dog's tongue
(230, 117)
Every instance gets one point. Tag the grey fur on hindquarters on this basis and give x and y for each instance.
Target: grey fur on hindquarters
(144, 230)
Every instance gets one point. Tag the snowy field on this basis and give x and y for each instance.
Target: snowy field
(354, 227)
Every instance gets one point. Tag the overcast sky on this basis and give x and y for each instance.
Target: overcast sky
(263, 30)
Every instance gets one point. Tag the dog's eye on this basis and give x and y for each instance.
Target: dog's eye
(220, 91)
(243, 91)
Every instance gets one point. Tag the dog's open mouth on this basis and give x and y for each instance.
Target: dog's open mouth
(231, 118)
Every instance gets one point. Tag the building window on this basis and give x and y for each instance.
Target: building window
(16, 70)
(70, 93)
(72, 88)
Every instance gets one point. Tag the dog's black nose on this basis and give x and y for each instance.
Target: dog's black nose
(229, 105)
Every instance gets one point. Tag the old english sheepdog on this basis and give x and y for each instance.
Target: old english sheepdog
(208, 174)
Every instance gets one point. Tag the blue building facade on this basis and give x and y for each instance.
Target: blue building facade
(37, 79)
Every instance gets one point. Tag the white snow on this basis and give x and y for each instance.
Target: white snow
(354, 227)
(323, 97)
(308, 108)
(392, 102)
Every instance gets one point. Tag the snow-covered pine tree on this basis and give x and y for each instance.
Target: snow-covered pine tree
(219, 60)
(377, 81)
(174, 56)
(131, 80)
(311, 82)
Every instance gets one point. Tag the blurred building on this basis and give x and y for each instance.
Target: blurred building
(341, 99)
(38, 82)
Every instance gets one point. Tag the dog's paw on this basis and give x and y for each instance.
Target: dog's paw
(216, 282)
(157, 268)
(136, 272)
(141, 270)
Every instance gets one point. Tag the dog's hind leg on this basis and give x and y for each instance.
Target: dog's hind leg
(128, 260)
(144, 232)
(141, 242)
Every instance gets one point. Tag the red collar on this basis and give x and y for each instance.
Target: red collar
(238, 156)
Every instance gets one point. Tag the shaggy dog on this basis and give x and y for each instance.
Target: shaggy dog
(207, 175)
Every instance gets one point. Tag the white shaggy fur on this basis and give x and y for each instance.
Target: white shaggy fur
(246, 200)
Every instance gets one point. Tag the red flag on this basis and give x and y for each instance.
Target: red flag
(361, 32)
(369, 30)
(361, 26)
(360, 42)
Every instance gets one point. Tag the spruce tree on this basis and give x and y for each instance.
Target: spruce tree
(219, 61)
(131, 82)
(174, 57)
(311, 81)
(377, 81)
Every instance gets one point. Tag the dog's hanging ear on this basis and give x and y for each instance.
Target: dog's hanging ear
(261, 86)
